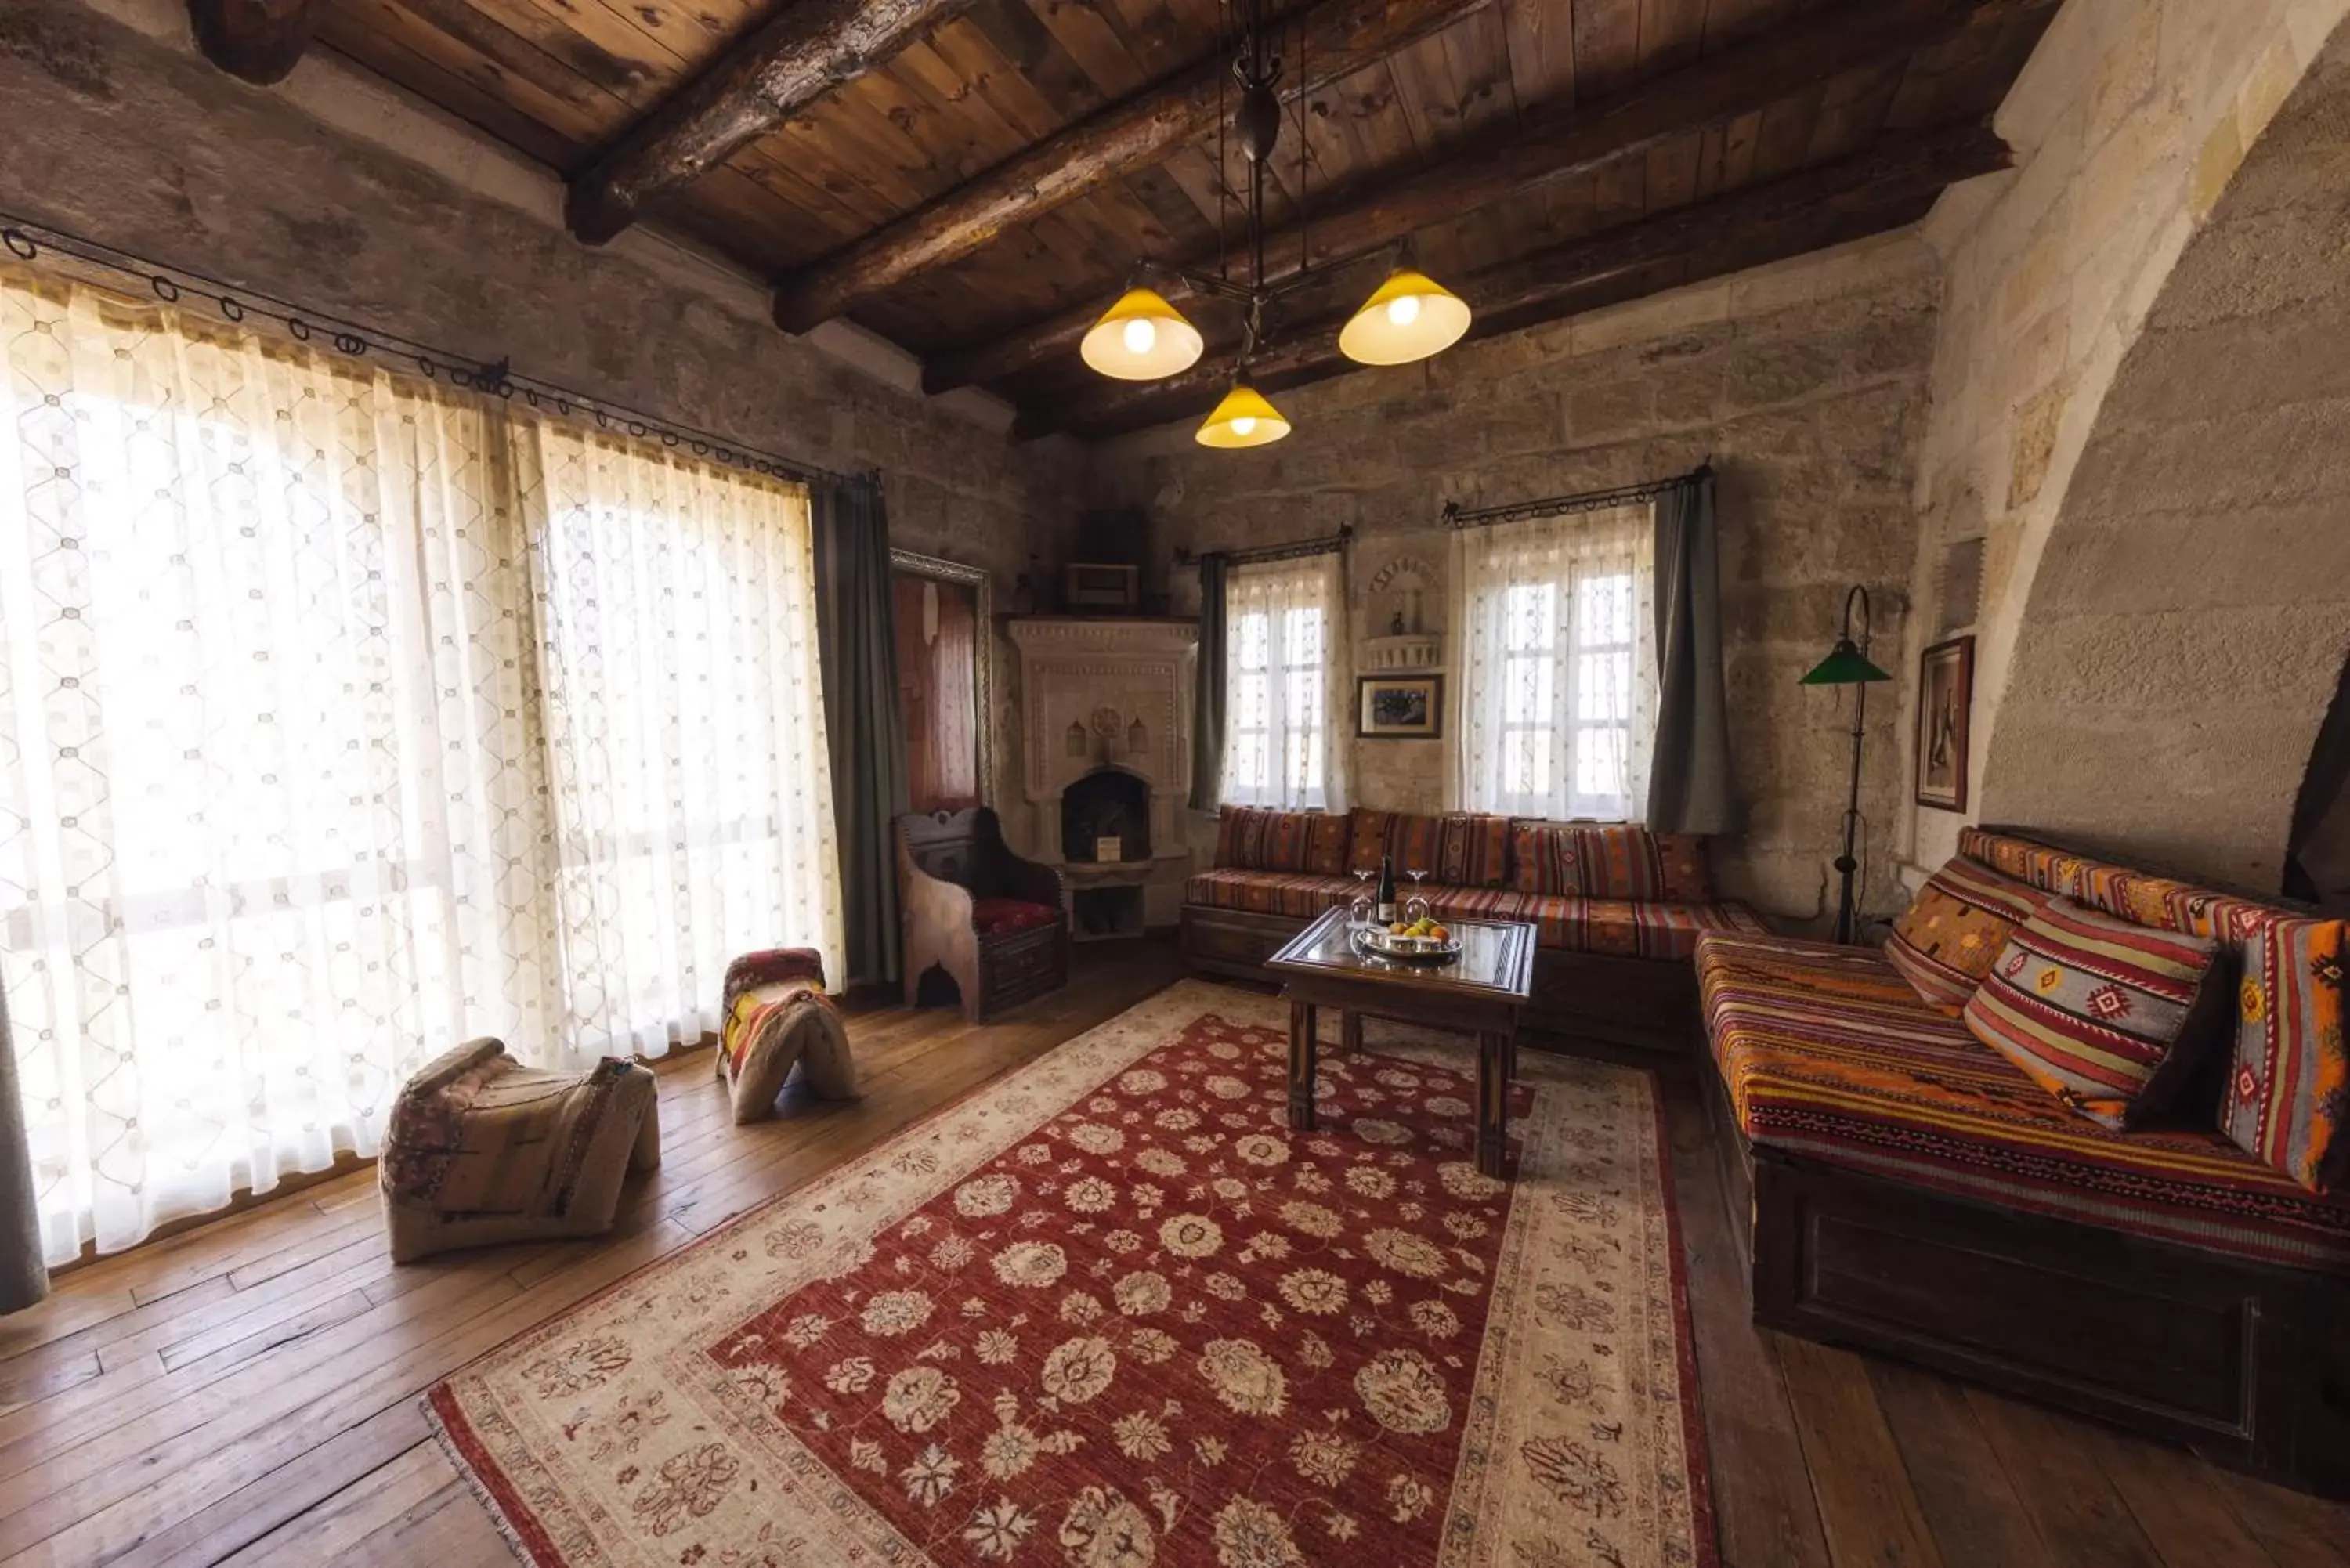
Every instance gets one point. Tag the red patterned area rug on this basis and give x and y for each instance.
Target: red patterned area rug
(1109, 1311)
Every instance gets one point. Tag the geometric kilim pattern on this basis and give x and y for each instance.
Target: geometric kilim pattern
(1110, 1310)
(1829, 1054)
(2289, 1087)
(2102, 1014)
(1945, 942)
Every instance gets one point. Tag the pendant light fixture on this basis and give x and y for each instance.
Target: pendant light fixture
(1242, 419)
(1411, 316)
(1143, 337)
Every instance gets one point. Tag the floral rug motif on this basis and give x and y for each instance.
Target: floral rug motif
(1110, 1312)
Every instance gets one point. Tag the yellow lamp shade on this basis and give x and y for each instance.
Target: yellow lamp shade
(1242, 419)
(1141, 339)
(1411, 316)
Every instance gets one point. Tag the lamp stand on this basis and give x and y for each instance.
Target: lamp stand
(1846, 864)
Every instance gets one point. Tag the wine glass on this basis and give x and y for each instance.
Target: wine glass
(1359, 911)
(1416, 907)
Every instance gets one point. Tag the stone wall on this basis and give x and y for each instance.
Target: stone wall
(1804, 382)
(336, 190)
(2130, 122)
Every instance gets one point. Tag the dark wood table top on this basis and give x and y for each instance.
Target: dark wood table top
(1497, 962)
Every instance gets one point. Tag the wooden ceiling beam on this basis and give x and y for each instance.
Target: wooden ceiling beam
(259, 40)
(1342, 37)
(1562, 142)
(1884, 188)
(805, 50)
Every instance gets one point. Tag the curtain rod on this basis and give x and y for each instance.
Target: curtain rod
(1296, 549)
(1456, 516)
(27, 240)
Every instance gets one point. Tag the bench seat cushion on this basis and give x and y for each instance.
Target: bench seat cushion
(1610, 926)
(1827, 1052)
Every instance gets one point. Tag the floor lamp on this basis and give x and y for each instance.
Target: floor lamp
(1847, 665)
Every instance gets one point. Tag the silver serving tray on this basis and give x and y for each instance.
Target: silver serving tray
(1410, 949)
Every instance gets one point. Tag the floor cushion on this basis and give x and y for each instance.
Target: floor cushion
(777, 1016)
(2111, 1018)
(1827, 1053)
(1299, 895)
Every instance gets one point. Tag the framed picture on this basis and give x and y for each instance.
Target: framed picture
(1946, 685)
(1399, 706)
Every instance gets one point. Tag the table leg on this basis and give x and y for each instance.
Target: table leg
(1493, 1101)
(1514, 1056)
(1350, 1034)
(1302, 1026)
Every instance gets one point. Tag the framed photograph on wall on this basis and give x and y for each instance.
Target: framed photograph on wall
(1399, 706)
(1946, 685)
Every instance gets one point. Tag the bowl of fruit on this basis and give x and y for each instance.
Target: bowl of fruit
(1423, 940)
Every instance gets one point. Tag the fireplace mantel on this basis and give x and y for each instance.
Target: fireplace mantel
(1116, 692)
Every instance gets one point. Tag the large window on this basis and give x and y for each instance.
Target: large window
(1556, 666)
(1281, 632)
(343, 720)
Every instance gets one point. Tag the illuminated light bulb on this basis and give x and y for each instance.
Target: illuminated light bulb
(1404, 309)
(1245, 424)
(1242, 419)
(1140, 335)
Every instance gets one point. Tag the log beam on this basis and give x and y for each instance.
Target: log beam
(1342, 37)
(1564, 142)
(1883, 189)
(259, 40)
(807, 49)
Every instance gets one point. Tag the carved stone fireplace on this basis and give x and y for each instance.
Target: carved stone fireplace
(1106, 751)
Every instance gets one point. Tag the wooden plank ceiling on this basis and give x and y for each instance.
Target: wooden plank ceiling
(1544, 156)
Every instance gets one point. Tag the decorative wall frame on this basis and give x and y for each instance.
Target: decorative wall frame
(1946, 683)
(1399, 706)
(938, 569)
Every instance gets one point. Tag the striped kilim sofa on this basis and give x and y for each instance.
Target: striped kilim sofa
(1618, 910)
(1915, 1192)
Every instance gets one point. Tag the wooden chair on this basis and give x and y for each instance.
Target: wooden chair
(994, 923)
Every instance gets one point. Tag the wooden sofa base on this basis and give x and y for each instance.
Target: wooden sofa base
(2245, 1363)
(1648, 1004)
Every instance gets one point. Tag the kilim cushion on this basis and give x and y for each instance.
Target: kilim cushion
(1415, 842)
(1827, 1054)
(2108, 1016)
(1473, 851)
(1325, 843)
(1366, 838)
(1296, 894)
(2289, 1085)
(1259, 840)
(1945, 942)
(1609, 860)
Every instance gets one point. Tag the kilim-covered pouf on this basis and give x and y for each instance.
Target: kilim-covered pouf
(776, 1014)
(483, 1151)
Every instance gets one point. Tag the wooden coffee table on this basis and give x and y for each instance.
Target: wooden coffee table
(1481, 993)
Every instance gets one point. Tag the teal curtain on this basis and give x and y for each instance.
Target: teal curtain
(23, 1279)
(858, 646)
(1689, 778)
(1207, 707)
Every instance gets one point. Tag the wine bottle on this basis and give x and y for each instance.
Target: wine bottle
(1385, 911)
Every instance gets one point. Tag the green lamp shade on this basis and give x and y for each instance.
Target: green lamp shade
(1845, 665)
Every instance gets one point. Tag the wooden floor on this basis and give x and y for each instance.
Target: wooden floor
(246, 1392)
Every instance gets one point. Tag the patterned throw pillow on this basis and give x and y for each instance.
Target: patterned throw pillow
(2108, 1017)
(1325, 843)
(2289, 1087)
(1369, 839)
(1609, 860)
(1474, 851)
(1945, 942)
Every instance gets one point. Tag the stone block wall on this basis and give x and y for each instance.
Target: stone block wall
(336, 190)
(2129, 123)
(1806, 385)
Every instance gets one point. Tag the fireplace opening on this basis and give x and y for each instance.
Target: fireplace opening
(1107, 807)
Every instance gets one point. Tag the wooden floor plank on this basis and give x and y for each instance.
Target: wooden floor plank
(418, 1476)
(2298, 1531)
(2177, 1502)
(2072, 1504)
(1963, 1488)
(1868, 1510)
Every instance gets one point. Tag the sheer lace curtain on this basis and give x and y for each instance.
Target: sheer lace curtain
(275, 817)
(692, 791)
(1285, 672)
(1555, 666)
